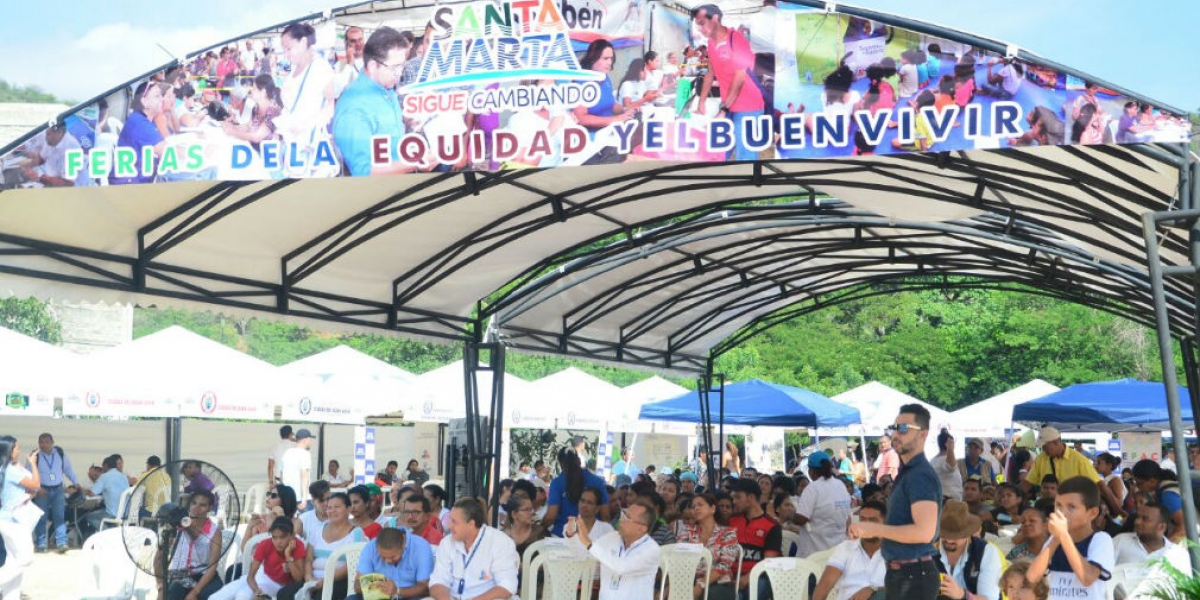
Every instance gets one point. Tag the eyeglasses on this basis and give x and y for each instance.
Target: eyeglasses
(272, 494)
(903, 428)
(396, 69)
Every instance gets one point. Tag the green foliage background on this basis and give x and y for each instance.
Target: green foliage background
(15, 93)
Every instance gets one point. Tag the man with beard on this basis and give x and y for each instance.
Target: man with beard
(856, 568)
(912, 513)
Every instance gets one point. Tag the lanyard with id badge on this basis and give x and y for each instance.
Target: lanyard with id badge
(462, 581)
(615, 580)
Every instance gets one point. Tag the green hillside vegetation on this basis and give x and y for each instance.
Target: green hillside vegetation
(16, 93)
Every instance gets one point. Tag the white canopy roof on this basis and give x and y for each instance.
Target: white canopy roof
(175, 372)
(35, 373)
(645, 391)
(575, 400)
(343, 385)
(990, 418)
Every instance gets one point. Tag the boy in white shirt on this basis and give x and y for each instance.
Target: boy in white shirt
(1078, 560)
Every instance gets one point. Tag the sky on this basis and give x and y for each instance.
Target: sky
(78, 49)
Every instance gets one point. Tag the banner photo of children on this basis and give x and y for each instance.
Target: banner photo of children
(517, 84)
(847, 86)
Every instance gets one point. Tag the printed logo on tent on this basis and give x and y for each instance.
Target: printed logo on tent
(370, 436)
(516, 417)
(360, 451)
(428, 407)
(92, 399)
(571, 419)
(208, 403)
(305, 405)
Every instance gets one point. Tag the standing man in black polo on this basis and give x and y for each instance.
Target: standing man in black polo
(913, 513)
(55, 470)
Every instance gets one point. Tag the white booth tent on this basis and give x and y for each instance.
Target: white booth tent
(575, 400)
(879, 404)
(643, 392)
(343, 385)
(992, 418)
(176, 373)
(32, 374)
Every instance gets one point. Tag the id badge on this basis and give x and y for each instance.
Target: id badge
(616, 582)
(462, 584)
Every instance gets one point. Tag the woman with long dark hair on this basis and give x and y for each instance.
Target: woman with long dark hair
(360, 511)
(565, 490)
(16, 482)
(280, 502)
(599, 57)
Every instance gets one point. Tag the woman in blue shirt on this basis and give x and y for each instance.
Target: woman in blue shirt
(16, 482)
(565, 490)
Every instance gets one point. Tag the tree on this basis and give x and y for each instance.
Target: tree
(31, 317)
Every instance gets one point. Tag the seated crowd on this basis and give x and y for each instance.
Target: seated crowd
(1065, 528)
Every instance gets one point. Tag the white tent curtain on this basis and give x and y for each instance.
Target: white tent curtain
(879, 405)
(32, 374)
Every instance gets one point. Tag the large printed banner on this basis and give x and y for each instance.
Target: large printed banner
(516, 84)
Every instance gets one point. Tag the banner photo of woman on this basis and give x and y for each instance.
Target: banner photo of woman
(517, 84)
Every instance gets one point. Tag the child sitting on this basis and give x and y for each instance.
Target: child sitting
(1078, 560)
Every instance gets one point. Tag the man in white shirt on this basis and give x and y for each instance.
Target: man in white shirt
(824, 508)
(628, 557)
(1138, 550)
(476, 561)
(275, 458)
(971, 565)
(297, 463)
(856, 568)
(47, 158)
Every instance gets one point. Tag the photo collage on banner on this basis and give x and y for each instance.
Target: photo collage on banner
(516, 84)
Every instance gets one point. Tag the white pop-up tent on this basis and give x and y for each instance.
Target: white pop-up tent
(176, 373)
(343, 385)
(633, 396)
(443, 388)
(879, 404)
(34, 373)
(992, 418)
(574, 400)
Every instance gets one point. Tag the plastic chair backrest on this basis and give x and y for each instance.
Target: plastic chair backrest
(789, 577)
(248, 554)
(256, 500)
(791, 543)
(123, 510)
(107, 569)
(531, 552)
(679, 563)
(568, 576)
(821, 557)
(737, 571)
(350, 552)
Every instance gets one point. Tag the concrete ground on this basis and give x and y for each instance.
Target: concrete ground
(57, 577)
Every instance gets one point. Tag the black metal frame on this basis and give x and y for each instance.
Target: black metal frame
(484, 442)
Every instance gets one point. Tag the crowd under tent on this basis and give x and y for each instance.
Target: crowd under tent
(674, 255)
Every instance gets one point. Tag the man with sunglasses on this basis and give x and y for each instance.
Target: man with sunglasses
(913, 513)
(370, 108)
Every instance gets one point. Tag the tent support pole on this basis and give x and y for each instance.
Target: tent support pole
(484, 437)
(702, 387)
(721, 423)
(320, 450)
(1187, 347)
(1162, 324)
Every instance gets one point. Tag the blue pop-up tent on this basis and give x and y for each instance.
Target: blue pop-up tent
(759, 403)
(1121, 405)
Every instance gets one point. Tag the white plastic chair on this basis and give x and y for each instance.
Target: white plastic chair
(123, 517)
(231, 543)
(737, 571)
(247, 556)
(568, 576)
(789, 577)
(19, 544)
(349, 552)
(256, 501)
(791, 543)
(529, 584)
(679, 563)
(107, 571)
(821, 557)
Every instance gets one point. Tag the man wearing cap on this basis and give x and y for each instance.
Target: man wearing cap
(687, 482)
(297, 463)
(1064, 463)
(974, 464)
(824, 508)
(287, 441)
(972, 565)
(912, 513)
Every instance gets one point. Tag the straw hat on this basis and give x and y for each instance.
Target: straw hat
(957, 520)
